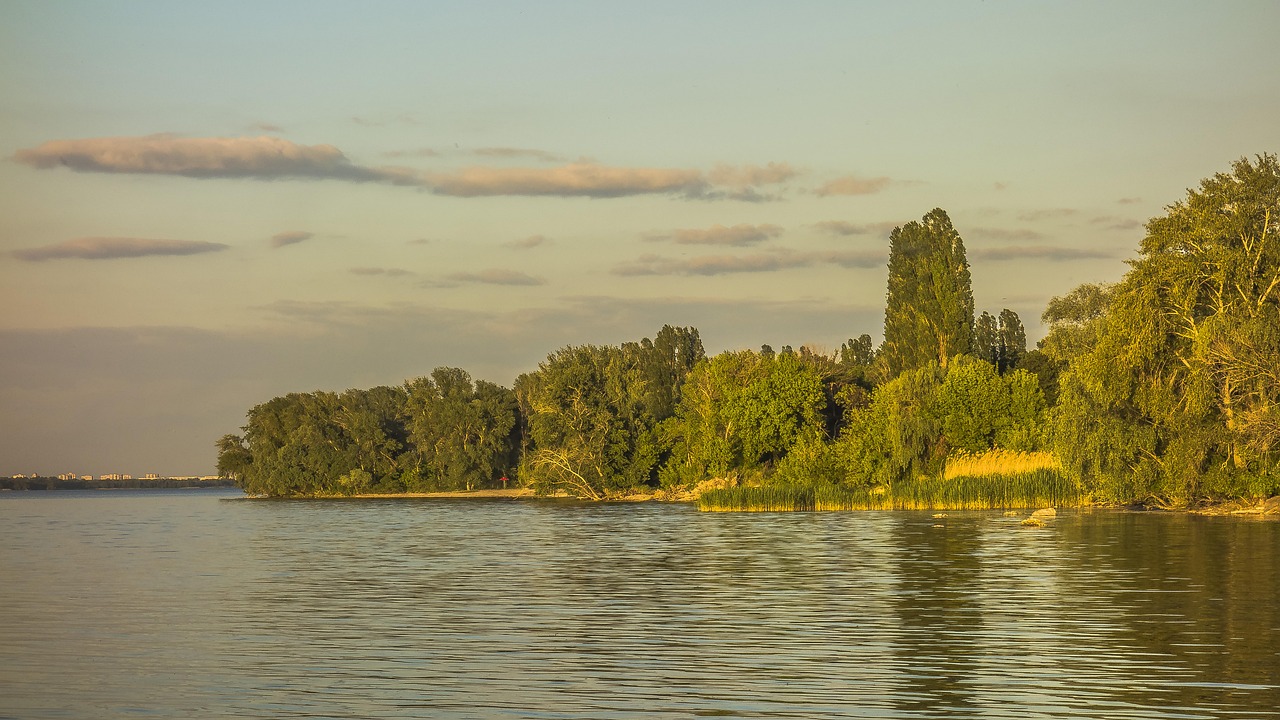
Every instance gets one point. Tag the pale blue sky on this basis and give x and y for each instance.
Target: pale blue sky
(477, 185)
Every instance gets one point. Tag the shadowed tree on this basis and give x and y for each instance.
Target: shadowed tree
(1012, 340)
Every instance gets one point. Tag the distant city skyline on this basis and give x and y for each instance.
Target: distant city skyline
(205, 206)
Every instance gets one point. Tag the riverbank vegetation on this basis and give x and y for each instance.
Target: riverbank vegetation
(1161, 389)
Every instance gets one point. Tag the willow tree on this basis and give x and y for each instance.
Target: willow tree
(1174, 394)
(929, 312)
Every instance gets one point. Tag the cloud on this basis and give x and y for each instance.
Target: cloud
(736, 236)
(1038, 252)
(851, 185)
(1129, 200)
(573, 180)
(744, 176)
(260, 158)
(494, 276)
(1006, 234)
(389, 272)
(110, 248)
(532, 241)
(840, 227)
(998, 186)
(709, 264)
(420, 152)
(1113, 222)
(854, 258)
(509, 152)
(271, 158)
(733, 264)
(266, 127)
(291, 237)
(1047, 214)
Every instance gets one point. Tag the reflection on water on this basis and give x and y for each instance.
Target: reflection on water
(187, 604)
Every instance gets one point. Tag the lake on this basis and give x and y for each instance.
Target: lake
(197, 603)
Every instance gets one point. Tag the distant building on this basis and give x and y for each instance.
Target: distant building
(86, 477)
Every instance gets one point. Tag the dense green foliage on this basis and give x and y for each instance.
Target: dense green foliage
(929, 314)
(442, 432)
(1171, 391)
(1163, 388)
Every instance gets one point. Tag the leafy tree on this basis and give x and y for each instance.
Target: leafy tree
(740, 411)
(986, 339)
(973, 404)
(1001, 343)
(1074, 321)
(1172, 392)
(858, 353)
(463, 432)
(929, 314)
(234, 458)
(594, 413)
(1012, 340)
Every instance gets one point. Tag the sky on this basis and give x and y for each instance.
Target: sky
(206, 205)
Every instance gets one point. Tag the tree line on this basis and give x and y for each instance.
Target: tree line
(1161, 388)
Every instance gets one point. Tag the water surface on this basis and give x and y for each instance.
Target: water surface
(179, 604)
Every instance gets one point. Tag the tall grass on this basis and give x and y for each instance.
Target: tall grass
(999, 462)
(998, 480)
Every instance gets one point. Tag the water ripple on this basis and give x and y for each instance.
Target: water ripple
(182, 605)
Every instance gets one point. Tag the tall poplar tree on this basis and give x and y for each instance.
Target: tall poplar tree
(1013, 340)
(929, 312)
(986, 339)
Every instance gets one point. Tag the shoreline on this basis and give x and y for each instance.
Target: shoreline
(1269, 508)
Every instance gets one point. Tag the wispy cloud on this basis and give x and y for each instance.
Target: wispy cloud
(291, 237)
(1113, 222)
(589, 179)
(271, 158)
(1047, 214)
(388, 272)
(854, 258)
(711, 264)
(736, 236)
(853, 185)
(111, 248)
(573, 180)
(733, 264)
(495, 276)
(532, 241)
(840, 227)
(510, 152)
(1006, 234)
(740, 176)
(419, 152)
(1038, 252)
(261, 158)
(1129, 200)
(266, 127)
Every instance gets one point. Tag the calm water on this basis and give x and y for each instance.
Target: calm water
(186, 604)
